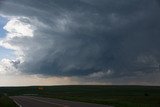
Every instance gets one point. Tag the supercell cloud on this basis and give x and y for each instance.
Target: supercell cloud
(105, 41)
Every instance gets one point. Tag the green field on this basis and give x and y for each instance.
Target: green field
(118, 96)
(6, 102)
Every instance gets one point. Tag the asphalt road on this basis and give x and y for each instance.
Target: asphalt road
(28, 101)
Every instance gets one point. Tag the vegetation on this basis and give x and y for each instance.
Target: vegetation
(118, 96)
(6, 102)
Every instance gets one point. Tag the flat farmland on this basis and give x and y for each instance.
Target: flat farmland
(117, 96)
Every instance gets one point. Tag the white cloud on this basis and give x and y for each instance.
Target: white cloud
(16, 27)
(7, 67)
(101, 74)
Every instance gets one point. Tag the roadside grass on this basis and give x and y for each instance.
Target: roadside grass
(6, 102)
(116, 101)
(117, 96)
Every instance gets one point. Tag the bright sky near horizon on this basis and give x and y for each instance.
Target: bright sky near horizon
(56, 42)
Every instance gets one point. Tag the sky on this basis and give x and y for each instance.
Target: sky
(2, 23)
(59, 42)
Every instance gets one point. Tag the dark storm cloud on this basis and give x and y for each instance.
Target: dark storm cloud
(114, 38)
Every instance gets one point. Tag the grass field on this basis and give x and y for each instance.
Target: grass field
(118, 96)
(6, 102)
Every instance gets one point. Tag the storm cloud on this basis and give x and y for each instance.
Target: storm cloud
(100, 39)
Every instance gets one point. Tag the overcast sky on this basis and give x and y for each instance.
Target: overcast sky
(48, 42)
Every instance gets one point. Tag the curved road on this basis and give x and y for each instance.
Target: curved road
(28, 101)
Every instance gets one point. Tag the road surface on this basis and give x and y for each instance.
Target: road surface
(28, 101)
